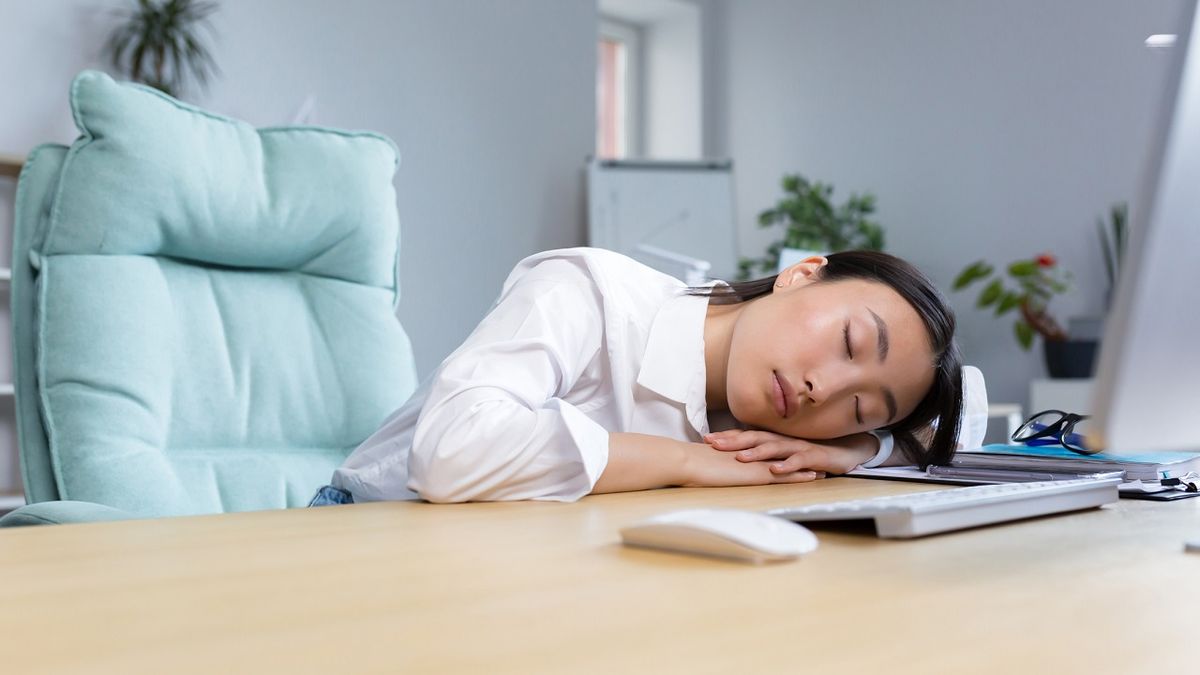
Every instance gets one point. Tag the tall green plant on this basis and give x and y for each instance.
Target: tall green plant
(159, 44)
(813, 222)
(1113, 237)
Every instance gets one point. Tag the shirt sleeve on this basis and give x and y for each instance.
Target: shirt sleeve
(496, 425)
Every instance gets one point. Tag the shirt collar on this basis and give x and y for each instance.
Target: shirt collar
(673, 364)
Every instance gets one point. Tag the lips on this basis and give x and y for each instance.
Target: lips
(783, 394)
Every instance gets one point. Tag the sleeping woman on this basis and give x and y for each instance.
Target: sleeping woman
(593, 373)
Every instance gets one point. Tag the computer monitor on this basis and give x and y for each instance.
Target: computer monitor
(1147, 393)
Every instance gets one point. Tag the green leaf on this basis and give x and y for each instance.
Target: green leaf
(1008, 301)
(745, 265)
(1024, 334)
(991, 293)
(973, 272)
(1022, 268)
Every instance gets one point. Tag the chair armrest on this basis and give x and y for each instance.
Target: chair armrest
(63, 513)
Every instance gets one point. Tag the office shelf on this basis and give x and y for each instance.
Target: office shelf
(10, 495)
(10, 165)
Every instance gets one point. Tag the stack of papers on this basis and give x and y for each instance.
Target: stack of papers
(1055, 458)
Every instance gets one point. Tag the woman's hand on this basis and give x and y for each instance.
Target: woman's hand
(785, 455)
(705, 466)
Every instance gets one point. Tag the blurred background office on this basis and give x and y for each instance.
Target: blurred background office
(984, 130)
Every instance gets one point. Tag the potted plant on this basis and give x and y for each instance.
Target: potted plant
(814, 225)
(1027, 286)
(159, 44)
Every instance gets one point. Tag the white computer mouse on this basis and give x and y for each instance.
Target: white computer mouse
(726, 533)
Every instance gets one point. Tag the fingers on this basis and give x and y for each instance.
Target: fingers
(799, 460)
(738, 439)
(796, 462)
(712, 468)
(769, 451)
(798, 477)
(734, 439)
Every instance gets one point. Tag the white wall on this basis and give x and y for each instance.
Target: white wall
(490, 101)
(985, 129)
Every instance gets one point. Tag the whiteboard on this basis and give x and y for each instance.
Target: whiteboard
(685, 208)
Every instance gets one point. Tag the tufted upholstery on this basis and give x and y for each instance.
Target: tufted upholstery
(203, 311)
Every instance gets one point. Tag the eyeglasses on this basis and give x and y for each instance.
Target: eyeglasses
(1055, 427)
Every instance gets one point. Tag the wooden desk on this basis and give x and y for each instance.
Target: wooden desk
(539, 587)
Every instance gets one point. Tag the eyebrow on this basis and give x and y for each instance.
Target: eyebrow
(883, 335)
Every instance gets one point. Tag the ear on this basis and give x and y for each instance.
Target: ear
(800, 274)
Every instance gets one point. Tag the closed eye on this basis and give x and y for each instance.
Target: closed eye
(850, 353)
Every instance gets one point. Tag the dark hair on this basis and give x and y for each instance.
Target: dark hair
(944, 399)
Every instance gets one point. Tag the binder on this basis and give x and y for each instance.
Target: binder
(1055, 458)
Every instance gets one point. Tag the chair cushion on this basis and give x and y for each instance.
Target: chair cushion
(215, 327)
(153, 176)
(63, 513)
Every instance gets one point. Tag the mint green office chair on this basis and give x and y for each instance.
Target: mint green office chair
(203, 312)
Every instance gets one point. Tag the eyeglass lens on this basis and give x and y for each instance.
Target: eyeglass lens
(1038, 424)
(1075, 436)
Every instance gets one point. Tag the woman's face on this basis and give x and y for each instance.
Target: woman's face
(822, 360)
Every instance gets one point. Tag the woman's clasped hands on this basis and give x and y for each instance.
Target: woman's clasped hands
(775, 458)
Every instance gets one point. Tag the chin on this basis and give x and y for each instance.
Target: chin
(743, 408)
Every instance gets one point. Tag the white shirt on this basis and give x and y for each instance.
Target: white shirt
(582, 342)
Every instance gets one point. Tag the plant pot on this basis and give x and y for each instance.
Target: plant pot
(1070, 358)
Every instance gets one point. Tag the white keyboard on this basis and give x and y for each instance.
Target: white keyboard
(915, 515)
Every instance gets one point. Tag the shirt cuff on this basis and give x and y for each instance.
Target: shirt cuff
(591, 444)
(886, 444)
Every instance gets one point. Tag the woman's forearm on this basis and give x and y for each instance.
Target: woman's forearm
(642, 462)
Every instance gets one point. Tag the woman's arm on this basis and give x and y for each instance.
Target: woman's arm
(788, 454)
(496, 424)
(644, 462)
(785, 454)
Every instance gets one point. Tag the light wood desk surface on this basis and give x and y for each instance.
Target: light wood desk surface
(542, 587)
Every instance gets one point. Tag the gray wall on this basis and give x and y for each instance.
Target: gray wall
(490, 101)
(985, 129)
(673, 85)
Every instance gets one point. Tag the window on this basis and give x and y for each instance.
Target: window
(616, 90)
(649, 80)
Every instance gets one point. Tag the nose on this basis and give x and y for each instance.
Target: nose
(827, 383)
(816, 394)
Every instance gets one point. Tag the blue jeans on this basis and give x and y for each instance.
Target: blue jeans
(329, 495)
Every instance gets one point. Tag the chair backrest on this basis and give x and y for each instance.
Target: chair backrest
(203, 312)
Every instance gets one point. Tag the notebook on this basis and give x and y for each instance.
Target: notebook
(1148, 466)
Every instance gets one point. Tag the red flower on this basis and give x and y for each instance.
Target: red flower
(1045, 260)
